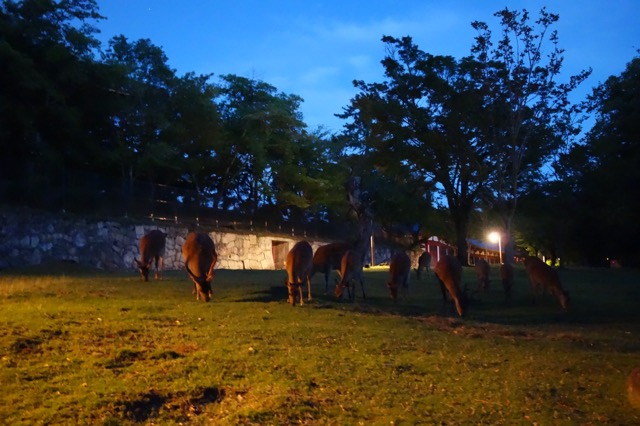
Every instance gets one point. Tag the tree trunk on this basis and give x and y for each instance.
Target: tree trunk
(461, 241)
(362, 210)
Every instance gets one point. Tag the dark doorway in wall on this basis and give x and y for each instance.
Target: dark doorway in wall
(279, 249)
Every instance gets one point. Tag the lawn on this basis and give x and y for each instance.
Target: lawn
(79, 346)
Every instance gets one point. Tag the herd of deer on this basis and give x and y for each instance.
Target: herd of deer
(198, 251)
(200, 258)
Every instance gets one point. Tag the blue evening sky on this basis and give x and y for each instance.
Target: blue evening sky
(315, 49)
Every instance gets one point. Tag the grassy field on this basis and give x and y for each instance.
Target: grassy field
(85, 347)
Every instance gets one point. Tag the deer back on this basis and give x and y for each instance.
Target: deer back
(299, 262)
(152, 245)
(483, 271)
(541, 274)
(424, 262)
(200, 258)
(350, 266)
(449, 271)
(399, 269)
(299, 265)
(329, 257)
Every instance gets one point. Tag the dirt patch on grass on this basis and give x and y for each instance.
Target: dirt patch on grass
(485, 330)
(124, 358)
(177, 407)
(26, 345)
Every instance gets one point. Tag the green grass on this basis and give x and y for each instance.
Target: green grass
(79, 346)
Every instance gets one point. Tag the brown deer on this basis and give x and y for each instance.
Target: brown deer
(633, 387)
(328, 258)
(483, 273)
(544, 277)
(506, 275)
(299, 265)
(350, 271)
(152, 247)
(399, 269)
(448, 271)
(200, 259)
(424, 262)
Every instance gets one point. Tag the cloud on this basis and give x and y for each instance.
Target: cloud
(318, 74)
(359, 61)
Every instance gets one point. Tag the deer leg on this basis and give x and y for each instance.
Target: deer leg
(300, 292)
(444, 291)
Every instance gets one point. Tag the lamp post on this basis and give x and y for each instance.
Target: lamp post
(495, 237)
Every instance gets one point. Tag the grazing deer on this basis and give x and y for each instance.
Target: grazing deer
(200, 259)
(299, 265)
(328, 258)
(152, 247)
(633, 387)
(483, 273)
(506, 275)
(424, 262)
(399, 269)
(448, 271)
(350, 271)
(544, 277)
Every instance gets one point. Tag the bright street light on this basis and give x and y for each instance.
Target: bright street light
(495, 237)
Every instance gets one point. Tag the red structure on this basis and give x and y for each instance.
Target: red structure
(438, 248)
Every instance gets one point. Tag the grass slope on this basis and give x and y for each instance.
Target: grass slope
(86, 347)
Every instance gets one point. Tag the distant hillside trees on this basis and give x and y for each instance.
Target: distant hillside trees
(78, 121)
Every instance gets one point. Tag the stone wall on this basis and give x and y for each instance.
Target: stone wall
(29, 237)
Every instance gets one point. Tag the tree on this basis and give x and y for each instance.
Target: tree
(195, 131)
(531, 117)
(611, 178)
(269, 159)
(139, 148)
(424, 124)
(54, 102)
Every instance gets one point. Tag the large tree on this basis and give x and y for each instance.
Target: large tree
(480, 127)
(611, 177)
(529, 112)
(424, 125)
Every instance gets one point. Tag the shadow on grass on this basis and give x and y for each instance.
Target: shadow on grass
(180, 407)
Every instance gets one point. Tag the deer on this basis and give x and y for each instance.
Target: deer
(152, 247)
(448, 271)
(200, 259)
(399, 269)
(633, 387)
(350, 271)
(327, 258)
(424, 262)
(299, 265)
(483, 273)
(544, 277)
(506, 276)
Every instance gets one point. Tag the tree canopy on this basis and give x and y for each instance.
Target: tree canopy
(476, 129)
